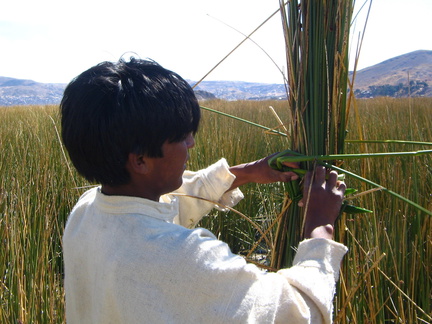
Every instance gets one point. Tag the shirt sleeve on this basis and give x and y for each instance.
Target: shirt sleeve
(314, 274)
(204, 190)
(301, 294)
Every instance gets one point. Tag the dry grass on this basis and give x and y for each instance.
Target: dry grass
(386, 277)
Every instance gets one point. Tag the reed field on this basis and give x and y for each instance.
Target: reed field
(386, 276)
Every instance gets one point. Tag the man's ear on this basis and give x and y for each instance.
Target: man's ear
(137, 163)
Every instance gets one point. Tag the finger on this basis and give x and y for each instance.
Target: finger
(301, 203)
(291, 176)
(341, 186)
(331, 180)
(320, 175)
(287, 176)
(307, 181)
(294, 165)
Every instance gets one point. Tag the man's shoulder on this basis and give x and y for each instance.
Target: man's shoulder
(87, 196)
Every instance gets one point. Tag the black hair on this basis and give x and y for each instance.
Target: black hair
(114, 109)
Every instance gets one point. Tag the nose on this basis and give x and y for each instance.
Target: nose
(190, 141)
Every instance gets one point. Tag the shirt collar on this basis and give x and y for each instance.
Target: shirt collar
(166, 209)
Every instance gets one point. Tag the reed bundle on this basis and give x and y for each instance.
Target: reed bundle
(317, 40)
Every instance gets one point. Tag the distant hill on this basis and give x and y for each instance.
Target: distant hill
(408, 74)
(393, 76)
(204, 95)
(388, 78)
(240, 90)
(28, 92)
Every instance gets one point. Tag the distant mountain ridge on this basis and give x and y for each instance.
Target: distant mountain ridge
(241, 90)
(28, 92)
(414, 69)
(408, 74)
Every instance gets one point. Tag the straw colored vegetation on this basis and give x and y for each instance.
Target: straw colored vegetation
(386, 276)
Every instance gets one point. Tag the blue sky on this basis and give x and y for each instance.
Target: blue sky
(55, 40)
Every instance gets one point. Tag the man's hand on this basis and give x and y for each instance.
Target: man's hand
(260, 172)
(322, 200)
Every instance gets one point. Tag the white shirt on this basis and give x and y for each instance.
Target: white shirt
(130, 260)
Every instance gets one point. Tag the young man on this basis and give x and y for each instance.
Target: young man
(131, 252)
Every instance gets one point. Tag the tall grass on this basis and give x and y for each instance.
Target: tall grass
(388, 272)
(35, 197)
(386, 276)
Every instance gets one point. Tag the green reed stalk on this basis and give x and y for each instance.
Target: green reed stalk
(244, 121)
(330, 157)
(390, 142)
(417, 206)
(316, 38)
